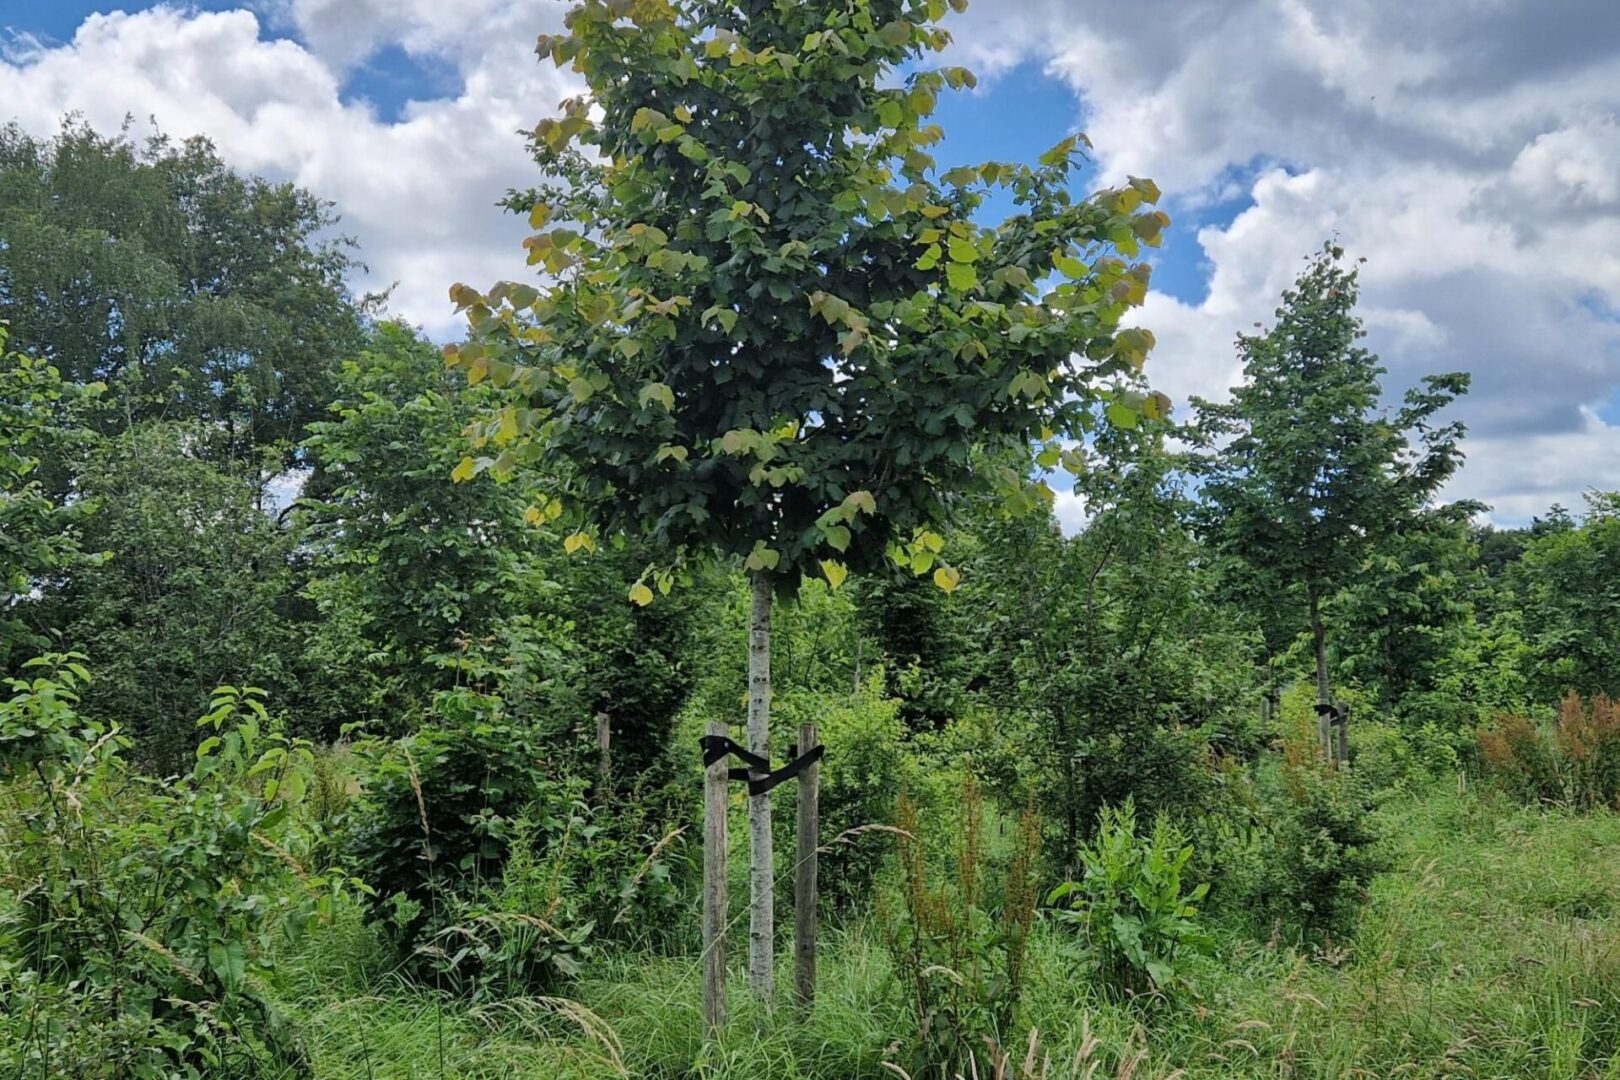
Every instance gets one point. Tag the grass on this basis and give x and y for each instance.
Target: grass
(1488, 950)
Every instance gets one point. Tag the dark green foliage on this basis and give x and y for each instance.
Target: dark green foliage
(185, 585)
(34, 528)
(1113, 641)
(1569, 606)
(192, 292)
(421, 584)
(1312, 476)
(863, 768)
(491, 874)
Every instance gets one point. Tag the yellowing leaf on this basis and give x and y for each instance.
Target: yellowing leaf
(640, 595)
(465, 470)
(860, 500)
(683, 114)
(676, 452)
(539, 215)
(932, 541)
(948, 578)
(835, 572)
(659, 392)
(575, 541)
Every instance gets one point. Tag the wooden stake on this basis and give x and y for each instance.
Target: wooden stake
(804, 876)
(604, 757)
(714, 892)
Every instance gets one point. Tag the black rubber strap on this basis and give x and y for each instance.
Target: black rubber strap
(760, 785)
(758, 774)
(716, 747)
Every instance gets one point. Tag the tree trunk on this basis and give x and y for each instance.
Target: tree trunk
(1324, 692)
(761, 863)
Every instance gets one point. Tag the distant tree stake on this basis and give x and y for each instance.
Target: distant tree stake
(714, 890)
(804, 876)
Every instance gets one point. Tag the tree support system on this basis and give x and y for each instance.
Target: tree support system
(761, 779)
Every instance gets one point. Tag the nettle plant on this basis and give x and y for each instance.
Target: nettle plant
(769, 327)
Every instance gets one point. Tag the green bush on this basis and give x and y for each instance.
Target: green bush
(137, 915)
(1138, 917)
(860, 774)
(1323, 852)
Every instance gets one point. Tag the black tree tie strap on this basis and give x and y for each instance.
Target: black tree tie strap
(758, 774)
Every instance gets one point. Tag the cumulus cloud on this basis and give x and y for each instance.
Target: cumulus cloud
(1470, 151)
(419, 192)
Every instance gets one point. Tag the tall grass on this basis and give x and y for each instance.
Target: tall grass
(1489, 950)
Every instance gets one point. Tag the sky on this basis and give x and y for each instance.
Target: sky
(1468, 150)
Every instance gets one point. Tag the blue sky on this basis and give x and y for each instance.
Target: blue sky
(1470, 152)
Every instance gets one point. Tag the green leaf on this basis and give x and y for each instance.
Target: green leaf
(1122, 415)
(837, 536)
(961, 276)
(659, 392)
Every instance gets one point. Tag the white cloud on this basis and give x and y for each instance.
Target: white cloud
(420, 193)
(1469, 150)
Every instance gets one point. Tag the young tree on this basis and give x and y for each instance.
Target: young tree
(771, 329)
(1313, 474)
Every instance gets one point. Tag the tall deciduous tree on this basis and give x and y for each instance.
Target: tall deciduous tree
(771, 328)
(192, 291)
(1313, 473)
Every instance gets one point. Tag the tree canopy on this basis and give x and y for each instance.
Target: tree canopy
(192, 291)
(769, 326)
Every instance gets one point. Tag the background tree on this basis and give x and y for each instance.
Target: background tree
(188, 588)
(34, 534)
(782, 332)
(191, 291)
(1569, 601)
(1311, 475)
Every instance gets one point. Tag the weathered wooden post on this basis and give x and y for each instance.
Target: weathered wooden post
(1324, 730)
(714, 889)
(804, 875)
(1343, 719)
(604, 757)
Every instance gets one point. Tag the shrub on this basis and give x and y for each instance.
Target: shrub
(958, 950)
(136, 915)
(1323, 851)
(1577, 761)
(1138, 919)
(859, 776)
